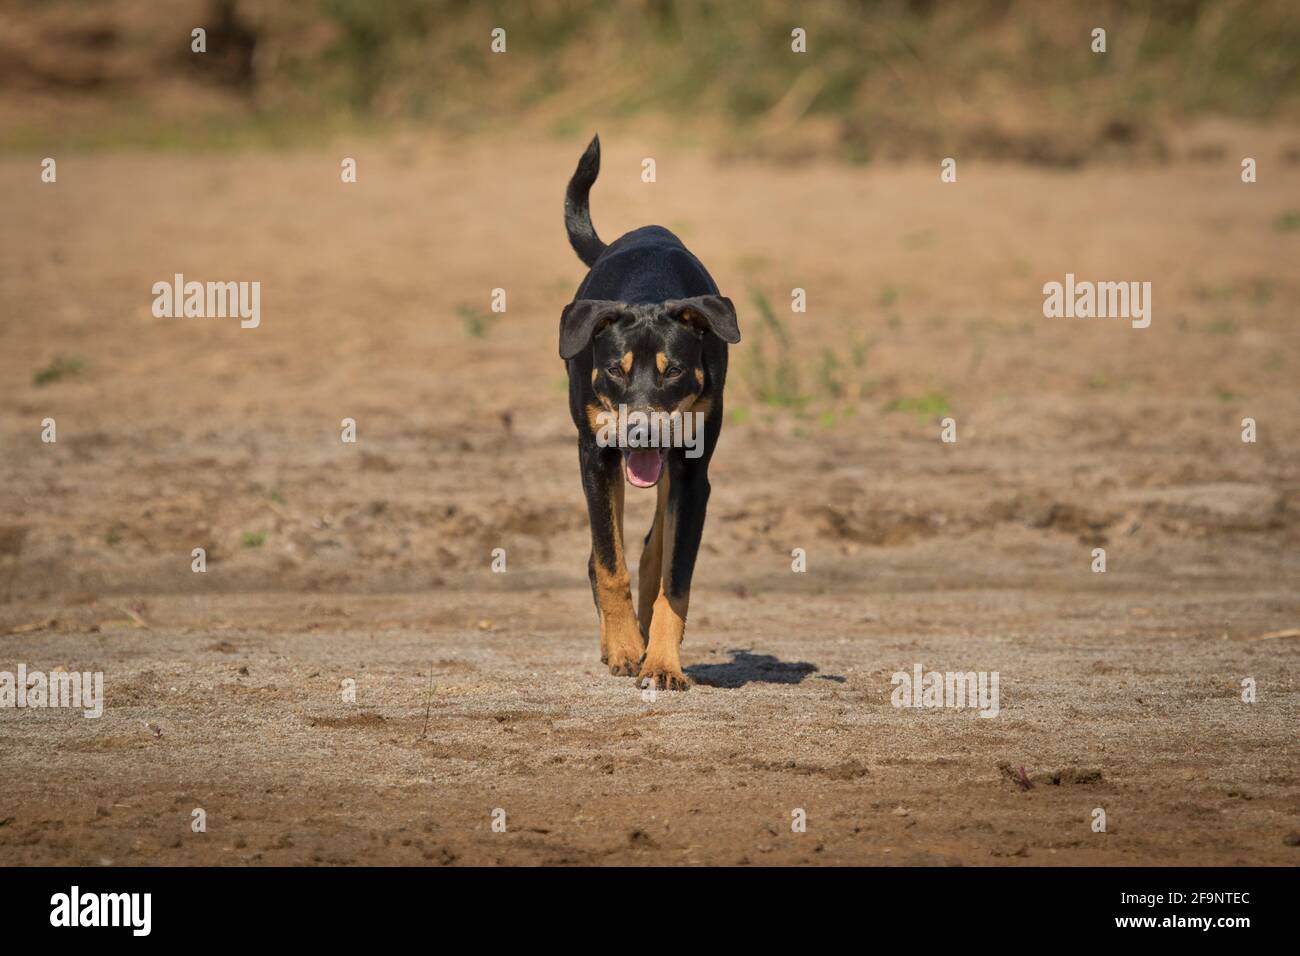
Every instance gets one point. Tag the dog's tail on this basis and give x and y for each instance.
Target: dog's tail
(577, 217)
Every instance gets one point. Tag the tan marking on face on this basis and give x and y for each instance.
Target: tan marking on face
(661, 362)
(627, 363)
(690, 401)
(593, 416)
(704, 406)
(594, 375)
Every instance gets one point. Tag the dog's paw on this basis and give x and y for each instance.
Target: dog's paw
(624, 657)
(622, 666)
(662, 678)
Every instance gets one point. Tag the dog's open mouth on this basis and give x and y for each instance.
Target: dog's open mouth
(644, 465)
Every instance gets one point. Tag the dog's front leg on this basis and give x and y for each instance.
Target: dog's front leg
(621, 646)
(683, 526)
(650, 573)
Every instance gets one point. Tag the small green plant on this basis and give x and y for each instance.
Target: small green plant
(252, 539)
(59, 368)
(919, 240)
(1288, 221)
(924, 407)
(841, 377)
(477, 323)
(828, 374)
(859, 349)
(774, 378)
(560, 288)
(1259, 290)
(1220, 292)
(1222, 327)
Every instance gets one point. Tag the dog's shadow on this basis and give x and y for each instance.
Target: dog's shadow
(748, 668)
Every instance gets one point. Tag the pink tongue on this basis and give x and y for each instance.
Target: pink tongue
(643, 467)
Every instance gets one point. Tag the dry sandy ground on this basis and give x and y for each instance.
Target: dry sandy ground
(478, 691)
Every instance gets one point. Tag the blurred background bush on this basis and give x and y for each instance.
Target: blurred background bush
(1011, 79)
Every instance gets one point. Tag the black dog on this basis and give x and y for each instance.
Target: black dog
(646, 332)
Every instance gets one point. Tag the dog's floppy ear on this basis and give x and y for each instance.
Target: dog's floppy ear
(581, 320)
(713, 313)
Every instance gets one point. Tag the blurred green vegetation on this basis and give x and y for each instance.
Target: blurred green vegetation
(776, 372)
(59, 368)
(1006, 78)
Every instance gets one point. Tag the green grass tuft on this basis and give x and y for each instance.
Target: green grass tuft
(57, 370)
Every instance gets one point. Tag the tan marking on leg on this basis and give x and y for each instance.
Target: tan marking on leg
(652, 560)
(662, 666)
(620, 639)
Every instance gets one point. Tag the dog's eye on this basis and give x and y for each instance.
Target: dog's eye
(614, 370)
(673, 371)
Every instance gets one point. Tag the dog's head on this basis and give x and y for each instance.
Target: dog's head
(647, 358)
